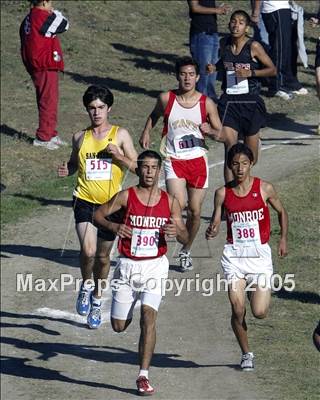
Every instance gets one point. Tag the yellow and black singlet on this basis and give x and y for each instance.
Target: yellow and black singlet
(99, 177)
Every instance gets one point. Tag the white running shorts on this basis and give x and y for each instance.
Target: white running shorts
(138, 280)
(254, 264)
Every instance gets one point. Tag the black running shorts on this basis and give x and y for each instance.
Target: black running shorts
(83, 212)
(243, 113)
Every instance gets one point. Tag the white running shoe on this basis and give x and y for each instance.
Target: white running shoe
(58, 141)
(284, 95)
(246, 363)
(185, 261)
(94, 317)
(301, 92)
(47, 145)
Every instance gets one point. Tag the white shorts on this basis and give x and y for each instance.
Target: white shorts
(254, 264)
(138, 280)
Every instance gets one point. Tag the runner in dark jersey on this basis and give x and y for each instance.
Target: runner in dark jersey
(242, 111)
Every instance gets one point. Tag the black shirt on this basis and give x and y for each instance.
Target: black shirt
(206, 23)
(244, 58)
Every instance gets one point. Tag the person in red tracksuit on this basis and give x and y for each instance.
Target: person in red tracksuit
(42, 56)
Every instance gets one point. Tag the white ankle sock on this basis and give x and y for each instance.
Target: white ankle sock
(144, 372)
(87, 286)
(96, 302)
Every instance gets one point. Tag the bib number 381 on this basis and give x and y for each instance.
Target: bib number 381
(144, 242)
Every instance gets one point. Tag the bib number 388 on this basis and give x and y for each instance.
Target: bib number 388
(246, 233)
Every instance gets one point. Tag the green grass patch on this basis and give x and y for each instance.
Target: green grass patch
(22, 204)
(287, 362)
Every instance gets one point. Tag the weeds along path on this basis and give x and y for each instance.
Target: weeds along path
(47, 349)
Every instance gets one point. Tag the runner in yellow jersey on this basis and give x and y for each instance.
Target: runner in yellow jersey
(100, 154)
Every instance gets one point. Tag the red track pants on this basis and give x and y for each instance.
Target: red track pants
(47, 92)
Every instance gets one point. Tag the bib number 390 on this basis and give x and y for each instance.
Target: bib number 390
(144, 242)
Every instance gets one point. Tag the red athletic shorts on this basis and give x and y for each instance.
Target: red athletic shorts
(194, 171)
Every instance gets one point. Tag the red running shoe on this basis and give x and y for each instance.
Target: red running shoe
(144, 387)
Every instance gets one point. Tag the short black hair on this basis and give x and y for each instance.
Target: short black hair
(239, 148)
(244, 14)
(35, 2)
(97, 92)
(149, 154)
(187, 60)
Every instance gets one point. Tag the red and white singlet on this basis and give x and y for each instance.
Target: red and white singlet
(248, 218)
(181, 136)
(148, 239)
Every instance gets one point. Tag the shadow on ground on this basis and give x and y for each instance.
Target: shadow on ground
(60, 256)
(143, 58)
(41, 318)
(112, 84)
(303, 297)
(280, 121)
(20, 367)
(11, 132)
(43, 201)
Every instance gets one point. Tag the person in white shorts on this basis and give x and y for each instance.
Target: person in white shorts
(150, 214)
(246, 259)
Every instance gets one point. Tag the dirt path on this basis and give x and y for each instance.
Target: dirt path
(48, 353)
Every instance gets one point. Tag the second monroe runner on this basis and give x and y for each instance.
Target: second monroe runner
(246, 256)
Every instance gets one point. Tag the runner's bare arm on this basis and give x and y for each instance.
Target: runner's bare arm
(269, 69)
(153, 118)
(257, 52)
(118, 201)
(69, 168)
(212, 128)
(128, 156)
(270, 195)
(176, 227)
(213, 228)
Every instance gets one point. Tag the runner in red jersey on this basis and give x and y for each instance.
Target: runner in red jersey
(150, 215)
(148, 238)
(248, 212)
(246, 259)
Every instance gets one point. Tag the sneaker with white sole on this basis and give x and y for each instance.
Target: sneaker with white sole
(47, 145)
(94, 317)
(246, 363)
(58, 141)
(83, 301)
(284, 95)
(143, 386)
(301, 92)
(185, 261)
